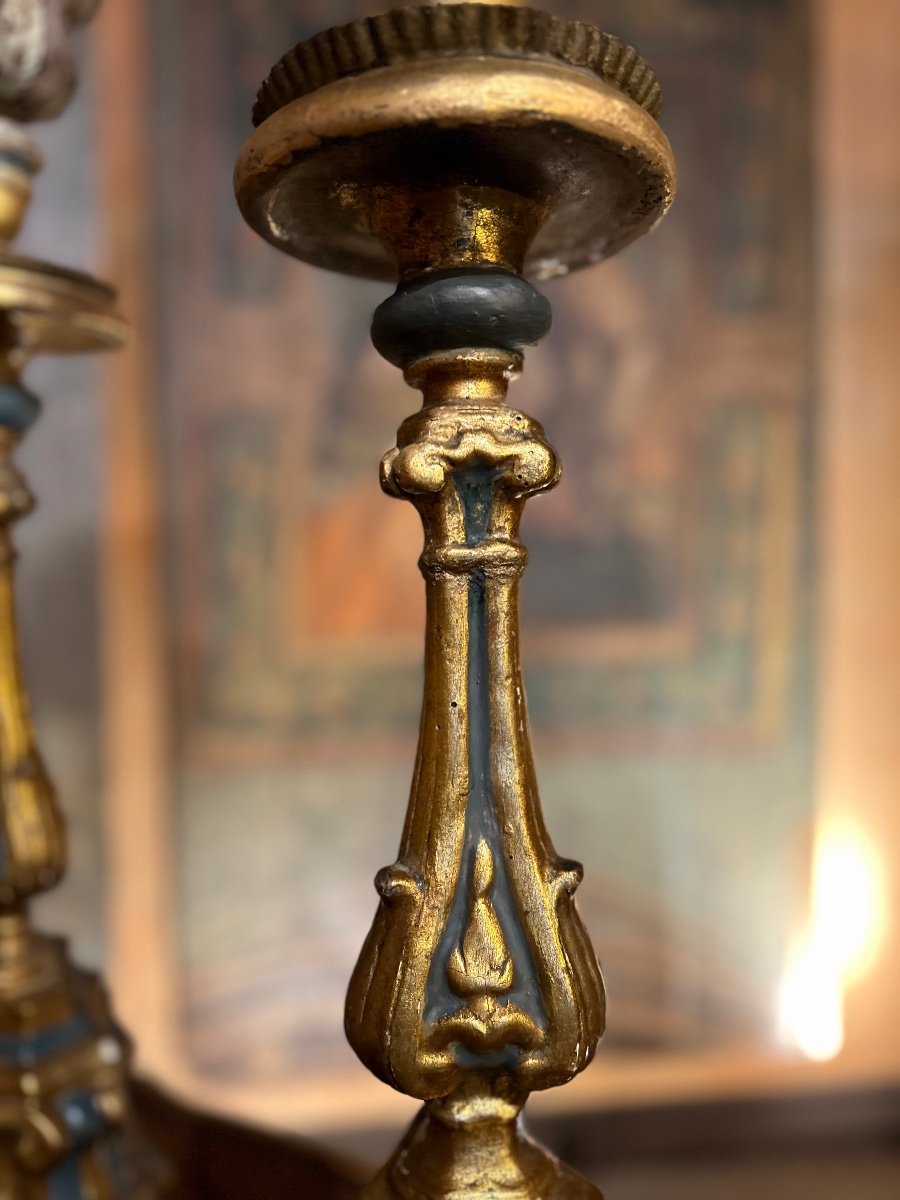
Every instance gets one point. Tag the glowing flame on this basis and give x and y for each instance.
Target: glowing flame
(811, 1004)
(838, 948)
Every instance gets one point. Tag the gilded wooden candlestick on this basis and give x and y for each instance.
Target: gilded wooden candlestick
(457, 149)
(65, 1129)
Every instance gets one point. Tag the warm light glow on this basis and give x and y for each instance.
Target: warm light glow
(811, 1005)
(847, 913)
(845, 929)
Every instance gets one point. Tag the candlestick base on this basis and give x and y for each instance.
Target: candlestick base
(458, 1151)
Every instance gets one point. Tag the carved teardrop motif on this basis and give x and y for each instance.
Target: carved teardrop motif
(482, 965)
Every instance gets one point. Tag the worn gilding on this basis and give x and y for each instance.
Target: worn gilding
(478, 983)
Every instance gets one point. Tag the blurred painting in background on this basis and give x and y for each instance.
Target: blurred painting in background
(668, 605)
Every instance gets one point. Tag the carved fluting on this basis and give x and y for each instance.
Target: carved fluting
(478, 964)
(459, 30)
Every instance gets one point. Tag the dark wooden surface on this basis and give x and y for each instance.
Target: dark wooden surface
(212, 1159)
(844, 1145)
(812, 1124)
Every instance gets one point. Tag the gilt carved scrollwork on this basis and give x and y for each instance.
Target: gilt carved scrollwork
(478, 961)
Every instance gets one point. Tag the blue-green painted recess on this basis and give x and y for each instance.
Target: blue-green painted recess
(9, 157)
(86, 1125)
(475, 487)
(83, 1119)
(476, 491)
(114, 1155)
(29, 1049)
(64, 1182)
(19, 408)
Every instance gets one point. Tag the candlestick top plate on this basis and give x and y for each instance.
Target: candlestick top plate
(466, 134)
(57, 311)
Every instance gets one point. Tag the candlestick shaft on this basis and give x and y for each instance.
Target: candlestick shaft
(65, 1129)
(33, 839)
(478, 959)
(477, 984)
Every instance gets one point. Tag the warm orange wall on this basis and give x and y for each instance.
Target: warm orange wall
(860, 471)
(135, 692)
